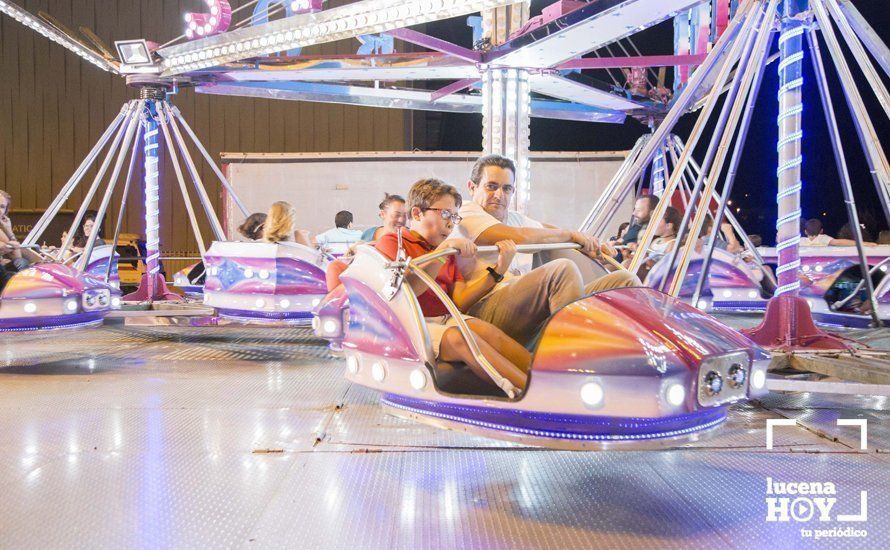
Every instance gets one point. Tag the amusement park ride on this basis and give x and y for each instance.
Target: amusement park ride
(693, 375)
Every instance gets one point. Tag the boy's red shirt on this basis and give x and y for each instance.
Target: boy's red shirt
(416, 246)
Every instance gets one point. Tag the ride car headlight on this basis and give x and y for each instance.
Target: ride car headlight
(736, 376)
(330, 327)
(592, 394)
(758, 379)
(89, 300)
(116, 302)
(352, 364)
(713, 383)
(284, 303)
(30, 307)
(378, 371)
(71, 305)
(676, 394)
(417, 379)
(260, 302)
(248, 273)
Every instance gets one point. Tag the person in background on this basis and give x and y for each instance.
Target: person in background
(642, 213)
(814, 235)
(338, 240)
(82, 233)
(616, 241)
(392, 212)
(433, 207)
(12, 256)
(252, 227)
(280, 225)
(665, 240)
(726, 238)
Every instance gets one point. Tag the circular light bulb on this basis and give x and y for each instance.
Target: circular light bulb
(676, 394)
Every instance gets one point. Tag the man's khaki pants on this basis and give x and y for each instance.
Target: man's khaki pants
(522, 306)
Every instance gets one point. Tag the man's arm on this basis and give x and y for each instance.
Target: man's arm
(465, 294)
(848, 242)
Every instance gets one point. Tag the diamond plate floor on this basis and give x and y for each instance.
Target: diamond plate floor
(250, 437)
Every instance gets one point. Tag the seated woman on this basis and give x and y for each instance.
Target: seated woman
(392, 212)
(252, 227)
(432, 206)
(82, 234)
(280, 225)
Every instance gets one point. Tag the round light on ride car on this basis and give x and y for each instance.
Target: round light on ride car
(315, 302)
(417, 379)
(713, 383)
(727, 293)
(752, 294)
(352, 364)
(30, 307)
(378, 371)
(264, 274)
(736, 376)
(330, 326)
(702, 304)
(758, 379)
(676, 394)
(592, 394)
(819, 269)
(248, 273)
(71, 305)
(884, 268)
(284, 303)
(260, 302)
(116, 302)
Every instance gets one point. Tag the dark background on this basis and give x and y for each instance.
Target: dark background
(755, 187)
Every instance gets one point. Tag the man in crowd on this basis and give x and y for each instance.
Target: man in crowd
(814, 235)
(12, 256)
(642, 213)
(524, 297)
(342, 236)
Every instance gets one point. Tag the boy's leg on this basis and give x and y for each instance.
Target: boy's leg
(455, 348)
(506, 346)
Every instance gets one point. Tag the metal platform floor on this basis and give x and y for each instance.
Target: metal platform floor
(250, 437)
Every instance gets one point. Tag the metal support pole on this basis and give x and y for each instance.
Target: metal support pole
(866, 34)
(730, 177)
(150, 185)
(75, 178)
(874, 79)
(60, 255)
(210, 161)
(740, 25)
(789, 146)
(595, 211)
(196, 178)
(109, 191)
(746, 76)
(868, 137)
(506, 107)
(741, 44)
(171, 148)
(840, 160)
(120, 215)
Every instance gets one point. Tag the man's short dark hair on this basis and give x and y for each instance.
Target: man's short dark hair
(813, 227)
(490, 160)
(343, 218)
(651, 199)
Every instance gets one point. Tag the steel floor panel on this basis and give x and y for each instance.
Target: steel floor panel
(248, 436)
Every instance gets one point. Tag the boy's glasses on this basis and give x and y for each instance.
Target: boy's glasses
(447, 214)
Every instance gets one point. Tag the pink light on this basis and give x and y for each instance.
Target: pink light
(207, 24)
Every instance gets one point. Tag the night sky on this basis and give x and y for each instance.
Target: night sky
(755, 187)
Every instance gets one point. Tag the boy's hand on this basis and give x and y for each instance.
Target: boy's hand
(506, 253)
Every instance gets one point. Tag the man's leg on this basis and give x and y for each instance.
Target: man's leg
(616, 279)
(520, 308)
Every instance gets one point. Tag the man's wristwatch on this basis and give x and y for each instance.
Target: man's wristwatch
(494, 274)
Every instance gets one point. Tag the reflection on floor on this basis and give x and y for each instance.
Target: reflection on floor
(199, 437)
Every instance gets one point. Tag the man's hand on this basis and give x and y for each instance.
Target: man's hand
(608, 250)
(465, 247)
(506, 253)
(589, 245)
(6, 248)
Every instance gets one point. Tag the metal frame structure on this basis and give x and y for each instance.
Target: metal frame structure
(740, 73)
